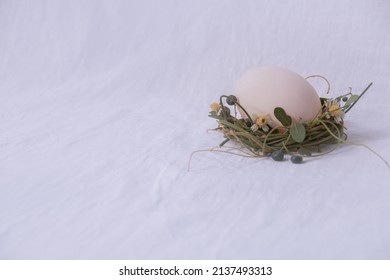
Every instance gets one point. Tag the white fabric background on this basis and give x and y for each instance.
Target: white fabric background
(102, 102)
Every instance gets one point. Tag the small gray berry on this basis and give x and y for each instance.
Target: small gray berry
(231, 100)
(296, 159)
(277, 155)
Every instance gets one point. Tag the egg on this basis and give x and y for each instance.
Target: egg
(261, 90)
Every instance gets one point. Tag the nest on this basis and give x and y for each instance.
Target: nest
(257, 138)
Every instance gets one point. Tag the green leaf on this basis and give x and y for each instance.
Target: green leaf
(298, 132)
(351, 100)
(304, 152)
(214, 115)
(281, 115)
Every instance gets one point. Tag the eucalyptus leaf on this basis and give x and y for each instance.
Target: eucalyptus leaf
(281, 115)
(351, 100)
(298, 132)
(304, 151)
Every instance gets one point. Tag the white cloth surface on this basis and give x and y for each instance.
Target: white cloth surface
(102, 103)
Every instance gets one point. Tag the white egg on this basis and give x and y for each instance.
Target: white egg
(263, 89)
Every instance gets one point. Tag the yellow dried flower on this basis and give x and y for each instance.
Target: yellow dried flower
(215, 107)
(335, 111)
(262, 120)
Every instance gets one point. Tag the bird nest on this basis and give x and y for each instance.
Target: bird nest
(257, 136)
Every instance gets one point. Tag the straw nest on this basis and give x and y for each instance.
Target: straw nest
(255, 136)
